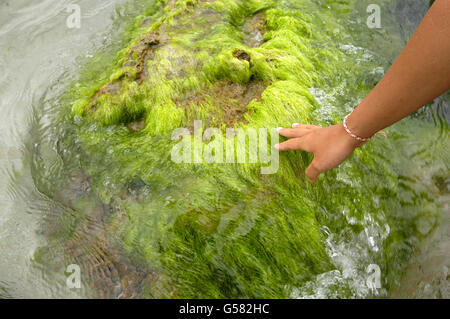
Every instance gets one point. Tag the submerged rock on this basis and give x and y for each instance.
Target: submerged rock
(137, 126)
(254, 30)
(224, 230)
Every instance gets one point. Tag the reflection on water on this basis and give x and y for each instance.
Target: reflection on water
(38, 60)
(42, 58)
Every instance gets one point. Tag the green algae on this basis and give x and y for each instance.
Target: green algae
(225, 230)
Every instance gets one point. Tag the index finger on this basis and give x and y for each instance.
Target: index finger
(299, 143)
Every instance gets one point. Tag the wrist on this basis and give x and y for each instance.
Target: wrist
(356, 132)
(360, 125)
(349, 140)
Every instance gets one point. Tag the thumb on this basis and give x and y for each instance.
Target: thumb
(312, 172)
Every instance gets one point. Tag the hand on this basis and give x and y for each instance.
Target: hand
(330, 145)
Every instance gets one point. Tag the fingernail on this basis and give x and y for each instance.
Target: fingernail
(295, 124)
(279, 129)
(277, 146)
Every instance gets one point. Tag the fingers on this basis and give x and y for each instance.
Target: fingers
(294, 144)
(298, 130)
(299, 141)
(308, 126)
(312, 172)
(293, 132)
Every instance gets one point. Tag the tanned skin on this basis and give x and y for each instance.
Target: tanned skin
(420, 74)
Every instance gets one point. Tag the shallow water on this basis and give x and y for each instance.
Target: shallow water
(41, 57)
(38, 57)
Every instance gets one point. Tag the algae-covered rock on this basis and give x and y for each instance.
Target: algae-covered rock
(226, 230)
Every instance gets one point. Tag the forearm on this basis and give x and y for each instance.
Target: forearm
(420, 74)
